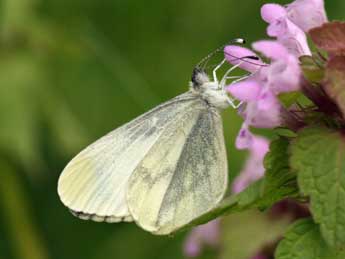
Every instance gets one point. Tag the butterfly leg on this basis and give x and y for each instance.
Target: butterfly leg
(233, 77)
(225, 77)
(214, 72)
(231, 101)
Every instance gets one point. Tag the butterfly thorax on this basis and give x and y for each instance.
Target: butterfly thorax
(208, 90)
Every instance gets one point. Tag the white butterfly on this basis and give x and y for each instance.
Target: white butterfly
(161, 170)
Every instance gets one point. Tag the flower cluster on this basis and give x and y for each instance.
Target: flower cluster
(260, 92)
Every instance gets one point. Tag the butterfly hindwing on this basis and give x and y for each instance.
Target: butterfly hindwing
(183, 175)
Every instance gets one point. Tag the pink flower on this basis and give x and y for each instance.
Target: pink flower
(272, 12)
(271, 49)
(261, 108)
(237, 55)
(286, 32)
(307, 14)
(244, 138)
(283, 74)
(245, 91)
(264, 112)
(207, 234)
(254, 169)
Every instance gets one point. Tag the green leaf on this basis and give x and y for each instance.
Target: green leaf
(313, 68)
(287, 99)
(330, 37)
(279, 181)
(335, 80)
(304, 241)
(318, 156)
(251, 225)
(278, 184)
(284, 132)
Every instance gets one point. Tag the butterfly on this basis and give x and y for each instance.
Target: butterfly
(160, 170)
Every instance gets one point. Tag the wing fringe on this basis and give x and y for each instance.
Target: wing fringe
(98, 218)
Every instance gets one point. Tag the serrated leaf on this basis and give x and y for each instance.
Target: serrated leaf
(330, 37)
(279, 182)
(335, 81)
(249, 197)
(318, 156)
(304, 241)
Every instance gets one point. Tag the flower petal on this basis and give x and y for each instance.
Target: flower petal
(266, 101)
(240, 183)
(236, 55)
(253, 169)
(262, 118)
(271, 49)
(286, 31)
(277, 28)
(211, 232)
(207, 234)
(260, 147)
(272, 12)
(315, 10)
(192, 246)
(244, 138)
(295, 40)
(247, 90)
(284, 76)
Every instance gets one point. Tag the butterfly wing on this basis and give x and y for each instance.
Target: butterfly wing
(94, 183)
(183, 175)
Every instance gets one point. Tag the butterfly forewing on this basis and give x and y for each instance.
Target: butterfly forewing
(94, 184)
(183, 175)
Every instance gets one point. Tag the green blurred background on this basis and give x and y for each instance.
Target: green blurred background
(72, 70)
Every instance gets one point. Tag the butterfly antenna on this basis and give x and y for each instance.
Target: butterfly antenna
(202, 64)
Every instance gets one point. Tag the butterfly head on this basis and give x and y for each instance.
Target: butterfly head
(208, 90)
(213, 90)
(199, 77)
